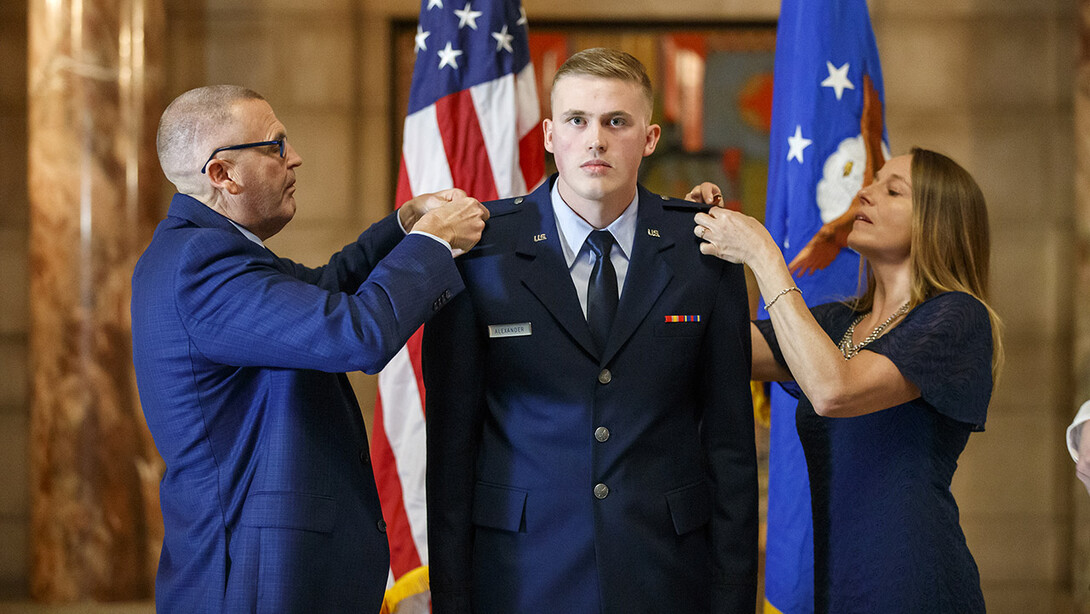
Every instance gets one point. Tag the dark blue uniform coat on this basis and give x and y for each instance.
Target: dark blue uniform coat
(564, 479)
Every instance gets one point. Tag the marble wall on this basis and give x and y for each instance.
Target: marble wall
(990, 83)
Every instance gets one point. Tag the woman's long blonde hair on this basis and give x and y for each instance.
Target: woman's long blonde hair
(950, 246)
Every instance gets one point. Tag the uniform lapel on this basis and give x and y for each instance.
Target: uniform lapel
(544, 272)
(648, 273)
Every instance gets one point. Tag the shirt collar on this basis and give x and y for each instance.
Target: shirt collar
(246, 233)
(574, 230)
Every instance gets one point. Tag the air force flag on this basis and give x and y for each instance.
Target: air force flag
(827, 141)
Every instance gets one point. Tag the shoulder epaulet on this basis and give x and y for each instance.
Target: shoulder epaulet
(682, 205)
(504, 206)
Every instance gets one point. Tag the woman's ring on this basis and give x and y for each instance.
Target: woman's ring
(703, 231)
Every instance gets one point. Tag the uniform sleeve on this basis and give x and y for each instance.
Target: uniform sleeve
(944, 347)
(453, 364)
(727, 434)
(769, 333)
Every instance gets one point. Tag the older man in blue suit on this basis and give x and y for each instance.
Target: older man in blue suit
(590, 428)
(268, 499)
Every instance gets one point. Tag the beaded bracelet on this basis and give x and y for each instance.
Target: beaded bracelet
(782, 292)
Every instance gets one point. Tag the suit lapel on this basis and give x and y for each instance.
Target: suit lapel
(545, 272)
(648, 274)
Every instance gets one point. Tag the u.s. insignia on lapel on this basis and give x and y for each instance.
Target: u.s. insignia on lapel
(540, 237)
(653, 232)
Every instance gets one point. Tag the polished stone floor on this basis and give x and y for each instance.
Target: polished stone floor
(26, 607)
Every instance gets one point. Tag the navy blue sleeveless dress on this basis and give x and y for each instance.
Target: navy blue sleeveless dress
(886, 531)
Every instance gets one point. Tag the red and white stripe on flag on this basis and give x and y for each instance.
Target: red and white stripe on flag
(486, 140)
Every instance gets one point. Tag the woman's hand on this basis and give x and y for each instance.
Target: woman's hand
(706, 193)
(732, 236)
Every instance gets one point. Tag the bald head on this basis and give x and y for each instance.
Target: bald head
(192, 126)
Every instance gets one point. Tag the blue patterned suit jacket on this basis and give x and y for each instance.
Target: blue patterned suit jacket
(561, 479)
(268, 498)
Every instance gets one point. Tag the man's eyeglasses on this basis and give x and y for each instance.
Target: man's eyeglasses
(278, 142)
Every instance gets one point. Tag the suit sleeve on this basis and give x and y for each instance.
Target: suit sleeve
(728, 438)
(453, 364)
(244, 307)
(349, 268)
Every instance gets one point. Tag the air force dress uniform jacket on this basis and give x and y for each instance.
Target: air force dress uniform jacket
(562, 478)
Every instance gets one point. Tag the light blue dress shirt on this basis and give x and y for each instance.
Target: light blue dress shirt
(574, 230)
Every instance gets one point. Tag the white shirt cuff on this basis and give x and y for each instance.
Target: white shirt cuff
(429, 235)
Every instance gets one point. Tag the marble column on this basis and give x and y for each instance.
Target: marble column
(94, 75)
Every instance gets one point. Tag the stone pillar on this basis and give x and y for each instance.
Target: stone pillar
(94, 76)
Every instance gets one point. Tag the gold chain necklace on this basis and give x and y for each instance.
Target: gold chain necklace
(848, 349)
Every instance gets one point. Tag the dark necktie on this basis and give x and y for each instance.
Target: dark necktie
(602, 287)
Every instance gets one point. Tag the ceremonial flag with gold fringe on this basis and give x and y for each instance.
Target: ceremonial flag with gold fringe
(827, 141)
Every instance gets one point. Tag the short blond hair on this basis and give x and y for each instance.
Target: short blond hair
(608, 64)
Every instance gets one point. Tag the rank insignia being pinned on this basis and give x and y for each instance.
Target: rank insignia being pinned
(682, 318)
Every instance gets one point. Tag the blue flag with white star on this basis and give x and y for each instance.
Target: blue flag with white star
(826, 72)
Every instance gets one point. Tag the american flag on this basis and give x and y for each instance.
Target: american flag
(473, 123)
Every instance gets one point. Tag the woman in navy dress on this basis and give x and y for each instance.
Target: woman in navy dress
(890, 384)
